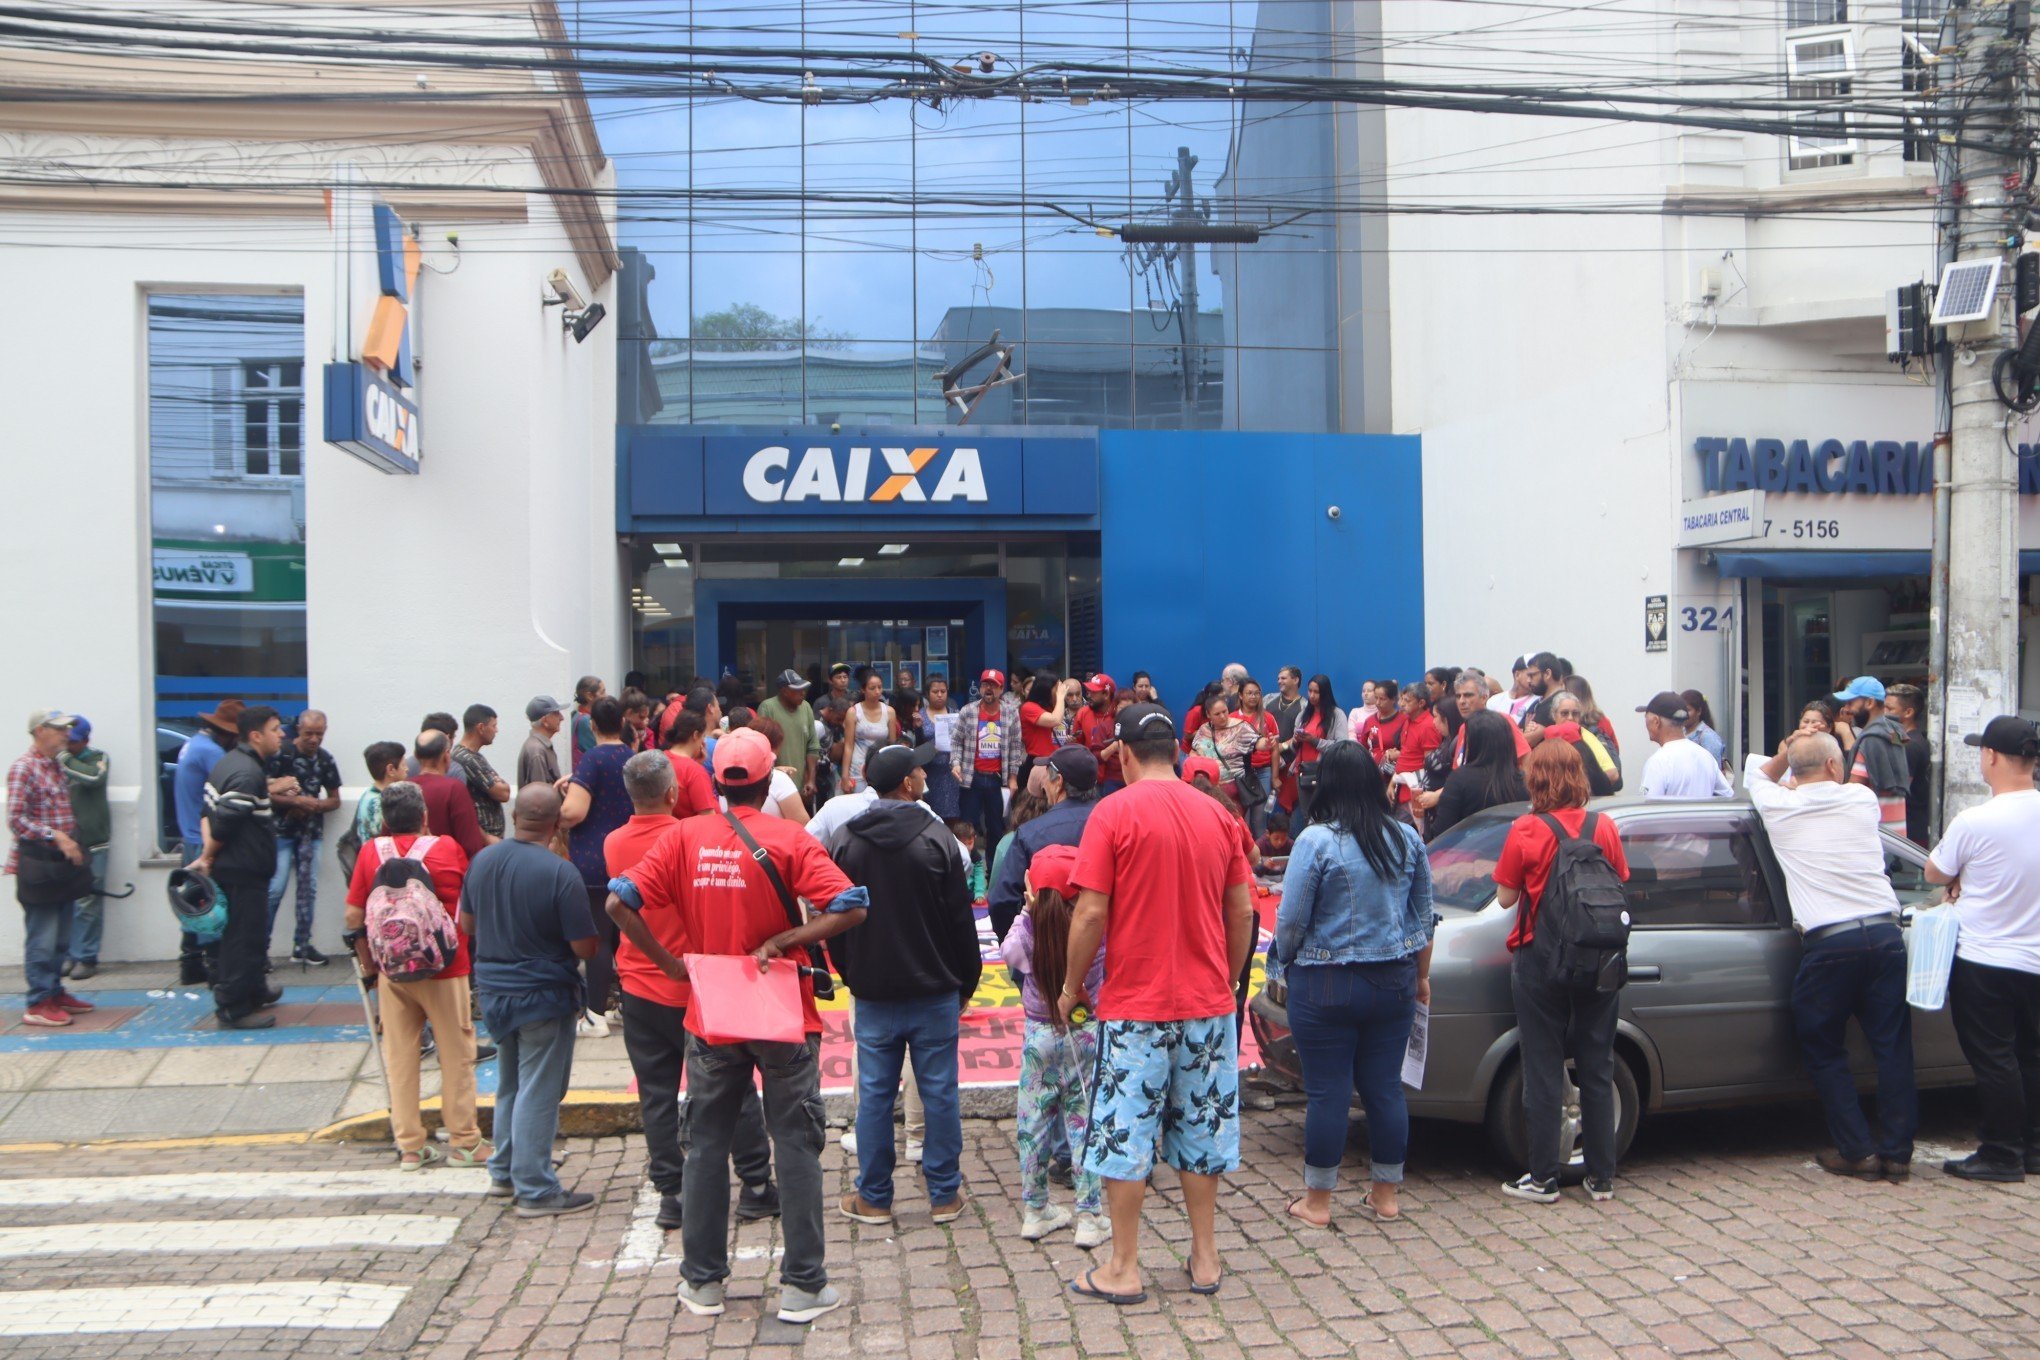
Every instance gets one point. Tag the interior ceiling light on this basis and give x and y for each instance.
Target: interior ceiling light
(891, 549)
(666, 549)
(849, 561)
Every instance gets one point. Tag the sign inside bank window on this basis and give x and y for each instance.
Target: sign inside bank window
(204, 572)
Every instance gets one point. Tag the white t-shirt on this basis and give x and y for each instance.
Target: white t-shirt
(1682, 769)
(1825, 836)
(1995, 849)
(782, 788)
(827, 824)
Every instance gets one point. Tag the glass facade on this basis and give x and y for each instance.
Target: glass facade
(826, 263)
(227, 510)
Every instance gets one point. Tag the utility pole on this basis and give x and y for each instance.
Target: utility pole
(1984, 182)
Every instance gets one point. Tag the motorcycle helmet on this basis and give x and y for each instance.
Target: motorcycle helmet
(200, 906)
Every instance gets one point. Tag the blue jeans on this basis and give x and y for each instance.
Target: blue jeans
(1351, 1023)
(533, 1063)
(88, 918)
(302, 853)
(1859, 973)
(49, 935)
(983, 804)
(887, 1031)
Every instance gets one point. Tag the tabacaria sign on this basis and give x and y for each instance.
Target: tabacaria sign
(1860, 467)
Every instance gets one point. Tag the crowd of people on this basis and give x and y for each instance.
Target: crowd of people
(1114, 842)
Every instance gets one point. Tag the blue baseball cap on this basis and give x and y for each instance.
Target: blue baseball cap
(1862, 687)
(81, 728)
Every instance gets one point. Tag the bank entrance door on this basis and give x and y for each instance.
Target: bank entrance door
(904, 648)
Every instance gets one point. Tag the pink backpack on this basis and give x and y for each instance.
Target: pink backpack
(410, 936)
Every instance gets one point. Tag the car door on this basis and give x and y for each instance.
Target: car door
(1710, 964)
(1936, 1056)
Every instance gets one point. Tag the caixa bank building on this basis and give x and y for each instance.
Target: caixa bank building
(965, 506)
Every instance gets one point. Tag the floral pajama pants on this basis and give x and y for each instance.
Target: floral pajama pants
(1056, 1070)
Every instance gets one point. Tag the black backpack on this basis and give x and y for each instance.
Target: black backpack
(1583, 919)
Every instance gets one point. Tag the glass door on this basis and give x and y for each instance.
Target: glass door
(903, 650)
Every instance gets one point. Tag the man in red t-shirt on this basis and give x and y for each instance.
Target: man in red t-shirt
(448, 805)
(1165, 890)
(1096, 727)
(655, 1006)
(441, 999)
(705, 876)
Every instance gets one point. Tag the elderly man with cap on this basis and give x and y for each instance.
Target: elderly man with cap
(538, 761)
(731, 881)
(50, 867)
(1990, 860)
(989, 756)
(912, 965)
(1072, 790)
(1679, 768)
(218, 732)
(796, 718)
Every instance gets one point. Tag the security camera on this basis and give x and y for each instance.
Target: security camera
(1333, 512)
(563, 292)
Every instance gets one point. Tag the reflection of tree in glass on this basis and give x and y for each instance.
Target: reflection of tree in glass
(747, 326)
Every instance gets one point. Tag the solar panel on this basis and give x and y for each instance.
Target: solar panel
(1968, 288)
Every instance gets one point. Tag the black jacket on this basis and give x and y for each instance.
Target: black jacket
(237, 807)
(919, 938)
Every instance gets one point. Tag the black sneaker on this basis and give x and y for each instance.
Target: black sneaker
(1976, 1167)
(484, 1052)
(669, 1212)
(254, 1020)
(426, 1046)
(309, 957)
(191, 973)
(758, 1201)
(1600, 1188)
(565, 1202)
(2033, 1163)
(1527, 1186)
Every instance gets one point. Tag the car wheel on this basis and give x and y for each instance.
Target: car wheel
(1509, 1130)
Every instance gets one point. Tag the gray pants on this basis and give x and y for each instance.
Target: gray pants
(718, 1077)
(1556, 1023)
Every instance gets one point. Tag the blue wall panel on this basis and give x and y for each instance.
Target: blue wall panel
(1217, 547)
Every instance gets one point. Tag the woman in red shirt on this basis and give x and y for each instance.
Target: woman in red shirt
(1419, 737)
(1041, 718)
(1255, 792)
(1555, 1022)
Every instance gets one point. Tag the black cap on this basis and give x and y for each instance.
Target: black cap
(1666, 705)
(1145, 722)
(2007, 735)
(888, 767)
(791, 679)
(1077, 766)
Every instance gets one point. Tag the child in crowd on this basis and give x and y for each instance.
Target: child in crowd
(1276, 841)
(1054, 1056)
(978, 878)
(385, 764)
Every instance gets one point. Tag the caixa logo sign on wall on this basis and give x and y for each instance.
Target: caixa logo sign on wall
(747, 476)
(371, 400)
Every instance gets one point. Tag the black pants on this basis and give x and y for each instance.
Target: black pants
(238, 986)
(983, 803)
(1556, 1022)
(601, 969)
(1859, 973)
(1997, 1022)
(656, 1039)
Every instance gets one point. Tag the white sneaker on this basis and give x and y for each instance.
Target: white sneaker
(797, 1305)
(848, 1141)
(1093, 1230)
(1039, 1223)
(702, 1300)
(913, 1149)
(591, 1026)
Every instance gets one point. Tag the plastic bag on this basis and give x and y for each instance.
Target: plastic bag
(735, 1003)
(1929, 954)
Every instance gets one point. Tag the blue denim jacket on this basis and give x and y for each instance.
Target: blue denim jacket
(1336, 909)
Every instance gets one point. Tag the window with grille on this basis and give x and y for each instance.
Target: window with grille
(1917, 83)
(1820, 68)
(272, 417)
(1922, 11)
(1821, 13)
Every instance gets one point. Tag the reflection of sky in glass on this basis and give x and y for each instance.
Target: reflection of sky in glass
(802, 219)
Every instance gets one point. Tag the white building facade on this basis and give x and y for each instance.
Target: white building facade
(1707, 314)
(193, 532)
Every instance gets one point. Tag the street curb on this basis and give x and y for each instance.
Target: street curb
(604, 1114)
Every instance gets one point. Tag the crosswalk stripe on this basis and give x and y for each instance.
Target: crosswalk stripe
(206, 1236)
(163, 1189)
(316, 1304)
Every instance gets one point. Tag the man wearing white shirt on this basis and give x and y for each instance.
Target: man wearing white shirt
(1990, 860)
(1824, 831)
(1678, 768)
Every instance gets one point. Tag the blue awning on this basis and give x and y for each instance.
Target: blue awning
(1837, 566)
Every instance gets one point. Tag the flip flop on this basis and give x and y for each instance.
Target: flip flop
(1206, 1289)
(1092, 1291)
(1306, 1222)
(1367, 1208)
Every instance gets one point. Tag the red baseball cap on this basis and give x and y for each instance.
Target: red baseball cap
(742, 757)
(1192, 767)
(996, 677)
(1051, 868)
(1100, 683)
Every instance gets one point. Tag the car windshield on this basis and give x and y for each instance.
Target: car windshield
(1463, 860)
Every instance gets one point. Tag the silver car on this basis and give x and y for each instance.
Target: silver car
(1706, 1018)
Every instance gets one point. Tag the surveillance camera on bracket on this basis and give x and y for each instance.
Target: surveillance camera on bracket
(563, 292)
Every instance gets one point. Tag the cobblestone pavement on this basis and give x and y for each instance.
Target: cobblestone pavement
(1725, 1240)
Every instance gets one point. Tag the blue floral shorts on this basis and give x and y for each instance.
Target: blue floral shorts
(1167, 1086)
